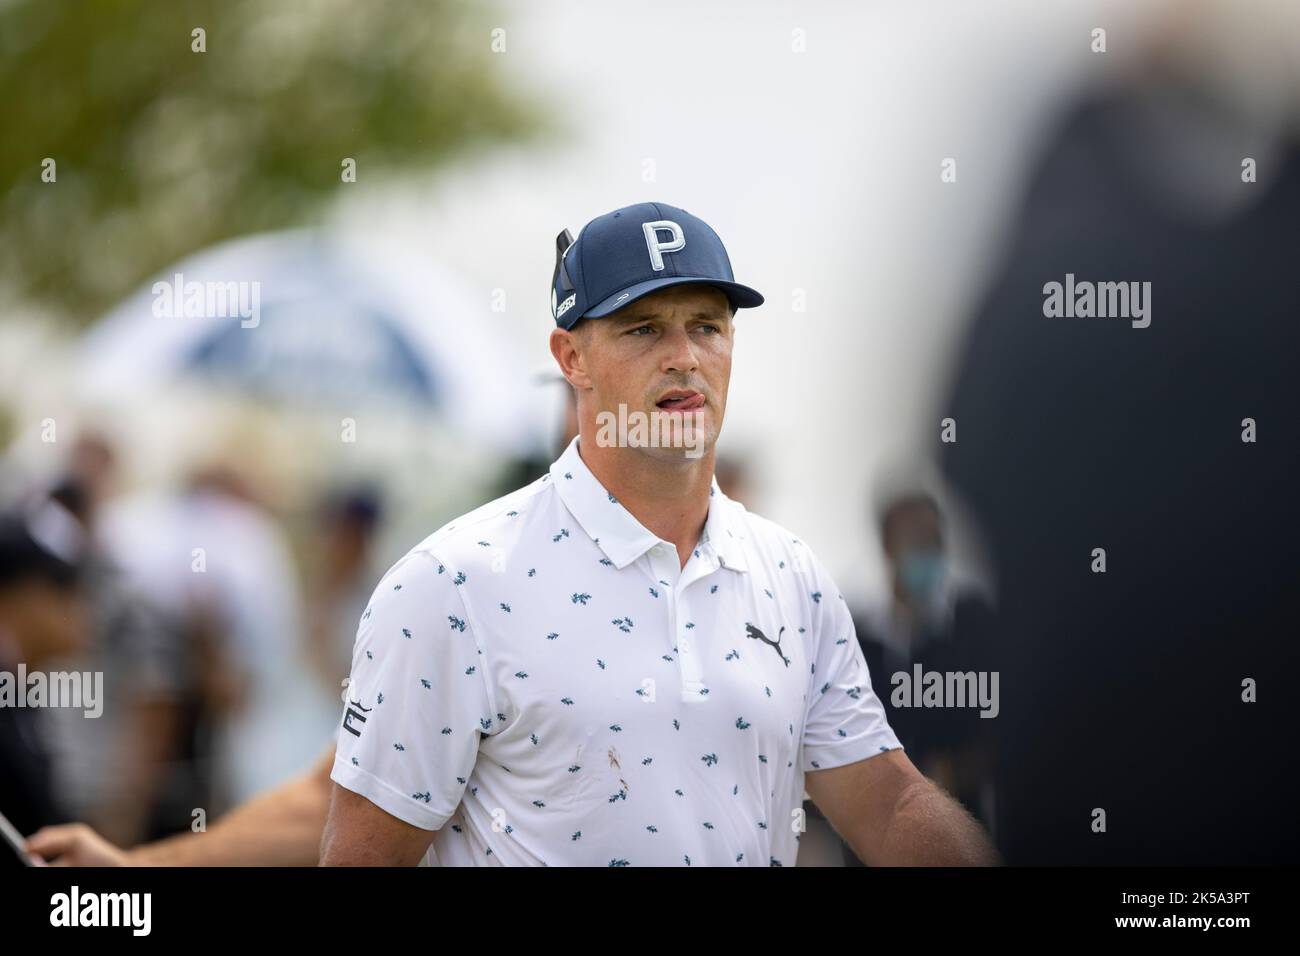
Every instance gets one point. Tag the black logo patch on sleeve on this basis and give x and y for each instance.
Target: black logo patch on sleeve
(356, 713)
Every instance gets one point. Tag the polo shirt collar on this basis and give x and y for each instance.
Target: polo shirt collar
(617, 533)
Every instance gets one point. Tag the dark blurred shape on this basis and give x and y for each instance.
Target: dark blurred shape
(39, 543)
(42, 619)
(358, 508)
(1123, 690)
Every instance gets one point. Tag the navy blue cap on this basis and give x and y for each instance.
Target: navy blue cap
(629, 253)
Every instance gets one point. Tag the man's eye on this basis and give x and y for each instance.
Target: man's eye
(711, 328)
(641, 328)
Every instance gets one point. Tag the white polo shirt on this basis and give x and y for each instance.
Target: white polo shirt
(541, 683)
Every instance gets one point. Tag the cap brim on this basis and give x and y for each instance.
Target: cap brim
(741, 296)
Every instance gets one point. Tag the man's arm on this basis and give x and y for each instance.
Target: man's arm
(893, 816)
(279, 828)
(417, 706)
(358, 833)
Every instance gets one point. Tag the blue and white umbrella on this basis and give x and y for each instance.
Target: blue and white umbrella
(300, 318)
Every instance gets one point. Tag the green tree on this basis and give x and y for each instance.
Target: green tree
(161, 150)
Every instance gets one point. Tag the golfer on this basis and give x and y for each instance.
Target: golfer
(616, 665)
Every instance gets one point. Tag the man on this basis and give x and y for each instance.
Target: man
(617, 665)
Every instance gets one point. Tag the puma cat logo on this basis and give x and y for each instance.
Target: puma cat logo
(752, 631)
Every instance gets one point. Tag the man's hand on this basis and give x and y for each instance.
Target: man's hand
(893, 816)
(74, 844)
(279, 828)
(358, 833)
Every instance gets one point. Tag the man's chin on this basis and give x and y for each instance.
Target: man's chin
(683, 455)
(689, 434)
(684, 444)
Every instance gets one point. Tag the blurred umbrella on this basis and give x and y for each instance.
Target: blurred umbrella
(305, 319)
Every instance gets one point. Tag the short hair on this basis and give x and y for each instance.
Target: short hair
(581, 325)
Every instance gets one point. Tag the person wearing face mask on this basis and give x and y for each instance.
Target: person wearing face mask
(930, 620)
(920, 607)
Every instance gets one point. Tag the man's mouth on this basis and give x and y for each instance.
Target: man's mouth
(681, 400)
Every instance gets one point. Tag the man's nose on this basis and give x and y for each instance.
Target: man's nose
(679, 352)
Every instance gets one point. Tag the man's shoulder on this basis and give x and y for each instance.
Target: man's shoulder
(767, 538)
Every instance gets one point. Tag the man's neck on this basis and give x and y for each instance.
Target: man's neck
(669, 498)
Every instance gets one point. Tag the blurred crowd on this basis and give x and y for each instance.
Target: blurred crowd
(219, 677)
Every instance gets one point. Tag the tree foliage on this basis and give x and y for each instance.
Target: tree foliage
(161, 150)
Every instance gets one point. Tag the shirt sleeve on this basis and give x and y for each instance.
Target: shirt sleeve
(417, 699)
(845, 721)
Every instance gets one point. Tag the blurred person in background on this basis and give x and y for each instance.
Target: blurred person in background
(44, 620)
(112, 770)
(61, 603)
(734, 478)
(217, 562)
(342, 555)
(88, 475)
(930, 618)
(521, 470)
(1127, 691)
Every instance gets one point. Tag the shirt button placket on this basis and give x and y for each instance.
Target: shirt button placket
(692, 672)
(665, 565)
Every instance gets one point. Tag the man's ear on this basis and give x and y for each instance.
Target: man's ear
(568, 348)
